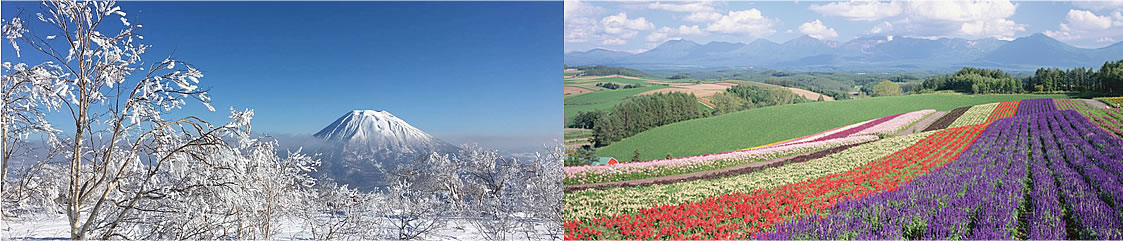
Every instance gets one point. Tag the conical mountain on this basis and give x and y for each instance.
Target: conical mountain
(380, 131)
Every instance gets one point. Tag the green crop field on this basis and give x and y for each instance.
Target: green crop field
(601, 100)
(577, 133)
(761, 126)
(592, 83)
(572, 73)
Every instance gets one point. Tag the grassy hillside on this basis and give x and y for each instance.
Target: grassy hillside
(600, 100)
(776, 123)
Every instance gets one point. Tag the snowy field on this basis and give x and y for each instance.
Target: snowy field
(54, 227)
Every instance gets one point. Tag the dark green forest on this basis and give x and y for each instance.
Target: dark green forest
(1107, 80)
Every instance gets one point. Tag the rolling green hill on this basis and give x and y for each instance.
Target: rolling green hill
(761, 126)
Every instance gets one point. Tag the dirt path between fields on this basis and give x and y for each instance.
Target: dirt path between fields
(1095, 103)
(576, 90)
(729, 171)
(922, 124)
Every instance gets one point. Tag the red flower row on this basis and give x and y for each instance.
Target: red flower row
(1004, 109)
(739, 216)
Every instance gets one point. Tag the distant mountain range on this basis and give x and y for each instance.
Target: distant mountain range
(871, 53)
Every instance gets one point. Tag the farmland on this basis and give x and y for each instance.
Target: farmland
(766, 125)
(996, 167)
(582, 92)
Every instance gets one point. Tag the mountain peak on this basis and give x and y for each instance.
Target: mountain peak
(380, 130)
(679, 42)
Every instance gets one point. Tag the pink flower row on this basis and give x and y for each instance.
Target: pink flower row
(896, 124)
(760, 153)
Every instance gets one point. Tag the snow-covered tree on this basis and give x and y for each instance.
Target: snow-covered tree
(132, 172)
(116, 105)
(332, 211)
(26, 97)
(544, 197)
(411, 210)
(495, 185)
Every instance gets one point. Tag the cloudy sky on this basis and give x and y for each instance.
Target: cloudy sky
(637, 26)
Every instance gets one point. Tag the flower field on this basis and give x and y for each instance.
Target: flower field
(946, 120)
(1036, 106)
(1071, 104)
(736, 215)
(1029, 169)
(1007, 109)
(1112, 101)
(576, 175)
(593, 203)
(1108, 119)
(975, 115)
(896, 124)
(1066, 186)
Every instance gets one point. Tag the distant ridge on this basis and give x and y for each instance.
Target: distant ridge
(867, 53)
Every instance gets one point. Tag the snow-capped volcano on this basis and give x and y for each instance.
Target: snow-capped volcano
(365, 141)
(380, 131)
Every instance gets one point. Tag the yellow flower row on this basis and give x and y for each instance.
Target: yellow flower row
(976, 115)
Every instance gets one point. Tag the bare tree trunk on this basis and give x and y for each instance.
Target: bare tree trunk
(74, 207)
(5, 150)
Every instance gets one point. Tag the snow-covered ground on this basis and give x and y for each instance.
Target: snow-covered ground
(54, 227)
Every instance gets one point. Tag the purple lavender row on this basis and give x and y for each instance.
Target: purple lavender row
(1095, 218)
(986, 188)
(936, 206)
(1035, 106)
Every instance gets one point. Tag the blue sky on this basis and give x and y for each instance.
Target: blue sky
(453, 69)
(638, 26)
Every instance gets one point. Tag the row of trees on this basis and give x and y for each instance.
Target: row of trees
(637, 114)
(613, 86)
(743, 97)
(601, 70)
(130, 170)
(975, 81)
(644, 112)
(1108, 79)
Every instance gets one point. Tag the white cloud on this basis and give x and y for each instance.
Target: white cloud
(699, 11)
(961, 11)
(859, 9)
(1086, 20)
(580, 26)
(1099, 5)
(688, 7)
(703, 17)
(999, 28)
(883, 27)
(577, 8)
(580, 30)
(620, 25)
(1105, 40)
(1085, 25)
(816, 29)
(963, 19)
(750, 22)
(614, 41)
(668, 33)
